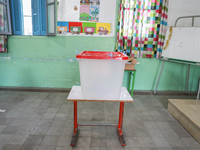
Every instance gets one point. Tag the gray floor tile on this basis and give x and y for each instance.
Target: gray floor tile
(190, 142)
(54, 131)
(48, 116)
(2, 128)
(169, 133)
(18, 139)
(161, 142)
(151, 125)
(64, 141)
(11, 147)
(45, 122)
(40, 130)
(4, 138)
(176, 142)
(58, 123)
(25, 130)
(98, 142)
(50, 140)
(18, 122)
(113, 142)
(5, 121)
(85, 131)
(46, 147)
(29, 147)
(98, 148)
(156, 133)
(63, 148)
(164, 148)
(146, 142)
(34, 140)
(83, 142)
(10, 130)
(1, 146)
(142, 133)
(131, 142)
(148, 148)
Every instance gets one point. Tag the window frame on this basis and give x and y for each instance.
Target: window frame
(7, 4)
(49, 4)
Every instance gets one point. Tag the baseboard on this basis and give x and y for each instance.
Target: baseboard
(67, 90)
(35, 89)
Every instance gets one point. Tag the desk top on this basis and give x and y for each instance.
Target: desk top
(76, 95)
(129, 67)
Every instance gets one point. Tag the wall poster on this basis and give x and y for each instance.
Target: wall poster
(89, 10)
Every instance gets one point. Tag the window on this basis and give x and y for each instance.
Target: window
(50, 5)
(5, 26)
(30, 17)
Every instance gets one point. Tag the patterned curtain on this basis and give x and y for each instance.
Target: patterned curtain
(3, 44)
(141, 27)
(3, 28)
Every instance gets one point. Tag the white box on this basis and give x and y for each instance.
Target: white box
(101, 78)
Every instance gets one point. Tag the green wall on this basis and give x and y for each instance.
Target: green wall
(34, 61)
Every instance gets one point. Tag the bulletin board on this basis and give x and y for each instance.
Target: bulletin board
(86, 17)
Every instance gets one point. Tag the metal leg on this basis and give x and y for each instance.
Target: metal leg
(198, 90)
(159, 76)
(121, 114)
(133, 74)
(129, 85)
(188, 78)
(74, 135)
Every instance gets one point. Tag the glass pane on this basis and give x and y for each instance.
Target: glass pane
(51, 19)
(28, 26)
(3, 19)
(27, 17)
(27, 7)
(3, 1)
(50, 1)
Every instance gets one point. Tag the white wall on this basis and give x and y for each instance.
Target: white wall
(178, 8)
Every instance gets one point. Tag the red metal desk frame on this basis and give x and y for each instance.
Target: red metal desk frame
(121, 114)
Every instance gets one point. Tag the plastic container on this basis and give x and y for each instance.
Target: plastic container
(101, 74)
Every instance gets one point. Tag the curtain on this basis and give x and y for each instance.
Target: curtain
(141, 27)
(3, 44)
(3, 28)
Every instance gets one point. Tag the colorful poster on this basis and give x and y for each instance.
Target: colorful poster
(95, 3)
(84, 13)
(62, 27)
(89, 10)
(89, 28)
(94, 14)
(103, 28)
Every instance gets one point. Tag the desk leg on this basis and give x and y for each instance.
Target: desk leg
(133, 74)
(74, 135)
(121, 114)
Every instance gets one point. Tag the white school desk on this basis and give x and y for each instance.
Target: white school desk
(76, 95)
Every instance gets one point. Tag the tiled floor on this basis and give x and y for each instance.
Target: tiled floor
(44, 121)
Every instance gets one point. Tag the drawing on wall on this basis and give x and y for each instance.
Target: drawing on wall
(103, 28)
(87, 28)
(89, 10)
(62, 28)
(75, 8)
(84, 13)
(94, 14)
(75, 27)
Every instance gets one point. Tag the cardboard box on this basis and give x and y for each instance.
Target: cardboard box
(130, 65)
